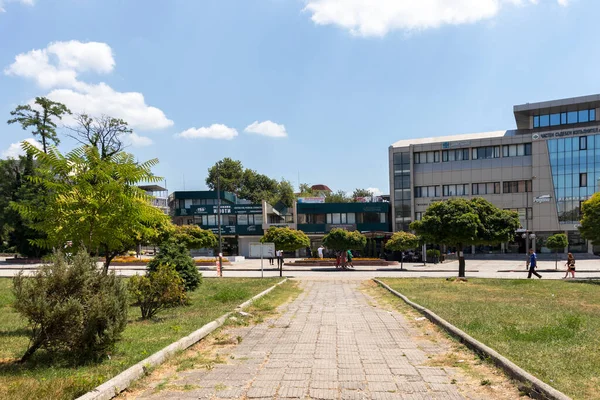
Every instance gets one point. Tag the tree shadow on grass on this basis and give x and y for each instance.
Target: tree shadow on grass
(15, 333)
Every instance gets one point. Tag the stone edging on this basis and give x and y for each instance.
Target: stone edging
(532, 385)
(116, 385)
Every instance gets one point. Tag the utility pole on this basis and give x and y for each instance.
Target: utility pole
(219, 220)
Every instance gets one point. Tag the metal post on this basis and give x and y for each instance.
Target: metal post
(219, 220)
(262, 273)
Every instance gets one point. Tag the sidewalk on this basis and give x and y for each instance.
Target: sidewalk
(330, 343)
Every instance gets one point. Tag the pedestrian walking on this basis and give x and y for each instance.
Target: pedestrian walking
(280, 258)
(338, 259)
(349, 257)
(320, 251)
(532, 264)
(570, 266)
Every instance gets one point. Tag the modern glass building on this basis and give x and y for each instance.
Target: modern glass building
(544, 169)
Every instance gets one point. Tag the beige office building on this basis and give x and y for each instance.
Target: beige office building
(544, 169)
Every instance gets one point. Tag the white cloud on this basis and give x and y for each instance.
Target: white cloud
(215, 131)
(377, 18)
(15, 149)
(58, 66)
(375, 191)
(136, 140)
(26, 2)
(267, 128)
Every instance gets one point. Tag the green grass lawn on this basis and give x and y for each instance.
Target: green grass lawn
(549, 328)
(44, 378)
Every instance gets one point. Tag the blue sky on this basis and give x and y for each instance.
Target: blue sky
(325, 85)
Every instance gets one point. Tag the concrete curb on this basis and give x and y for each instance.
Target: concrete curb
(534, 387)
(116, 385)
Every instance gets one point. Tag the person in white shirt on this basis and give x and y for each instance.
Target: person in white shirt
(279, 254)
(320, 251)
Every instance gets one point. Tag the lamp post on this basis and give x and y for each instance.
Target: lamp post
(219, 220)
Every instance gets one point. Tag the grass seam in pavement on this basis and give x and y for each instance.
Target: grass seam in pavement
(117, 384)
(533, 386)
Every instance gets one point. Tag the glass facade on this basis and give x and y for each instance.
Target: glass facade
(402, 191)
(575, 164)
(564, 118)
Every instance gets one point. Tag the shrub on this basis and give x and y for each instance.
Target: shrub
(177, 255)
(433, 253)
(158, 290)
(72, 308)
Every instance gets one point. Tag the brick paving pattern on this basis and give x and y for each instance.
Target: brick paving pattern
(329, 343)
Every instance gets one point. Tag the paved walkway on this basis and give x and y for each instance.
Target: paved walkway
(329, 343)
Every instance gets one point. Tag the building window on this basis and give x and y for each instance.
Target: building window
(564, 118)
(455, 190)
(486, 188)
(341, 218)
(515, 150)
(418, 216)
(243, 219)
(370, 218)
(455, 155)
(427, 191)
(427, 157)
(516, 187)
(480, 153)
(583, 179)
(583, 143)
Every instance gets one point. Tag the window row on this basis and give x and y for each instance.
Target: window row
(515, 150)
(482, 153)
(524, 213)
(343, 218)
(187, 203)
(228, 219)
(427, 157)
(516, 187)
(480, 188)
(564, 118)
(455, 155)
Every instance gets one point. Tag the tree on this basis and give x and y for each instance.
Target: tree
(557, 242)
(103, 133)
(193, 237)
(17, 187)
(231, 173)
(590, 219)
(285, 239)
(338, 197)
(42, 121)
(92, 202)
(459, 222)
(177, 255)
(72, 308)
(341, 239)
(402, 241)
(286, 193)
(361, 193)
(306, 190)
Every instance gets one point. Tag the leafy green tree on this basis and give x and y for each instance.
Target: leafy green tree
(557, 242)
(231, 173)
(341, 239)
(72, 308)
(105, 133)
(461, 222)
(91, 201)
(286, 239)
(306, 190)
(402, 241)
(337, 197)
(42, 122)
(193, 237)
(177, 255)
(16, 186)
(285, 192)
(361, 193)
(590, 219)
(160, 289)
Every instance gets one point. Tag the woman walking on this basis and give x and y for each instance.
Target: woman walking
(570, 266)
(349, 257)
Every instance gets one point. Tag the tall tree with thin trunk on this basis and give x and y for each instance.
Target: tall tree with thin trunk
(42, 118)
(402, 241)
(104, 133)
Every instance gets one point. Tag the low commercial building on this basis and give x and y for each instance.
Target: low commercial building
(544, 169)
(243, 223)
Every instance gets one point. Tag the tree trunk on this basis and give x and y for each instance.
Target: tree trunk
(32, 349)
(556, 260)
(402, 261)
(461, 261)
(107, 259)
